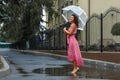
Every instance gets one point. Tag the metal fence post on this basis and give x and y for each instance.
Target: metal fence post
(101, 33)
(86, 39)
(59, 38)
(54, 37)
(42, 37)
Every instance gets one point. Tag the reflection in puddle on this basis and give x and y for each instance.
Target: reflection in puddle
(73, 78)
(39, 70)
(56, 71)
(84, 72)
(75, 75)
(22, 70)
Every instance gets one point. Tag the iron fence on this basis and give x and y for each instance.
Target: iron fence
(98, 31)
(96, 35)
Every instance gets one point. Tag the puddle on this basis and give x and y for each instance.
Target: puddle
(22, 71)
(84, 72)
(38, 71)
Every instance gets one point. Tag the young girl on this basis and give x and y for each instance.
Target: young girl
(74, 54)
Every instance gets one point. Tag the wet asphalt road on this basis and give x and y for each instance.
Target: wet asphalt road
(27, 66)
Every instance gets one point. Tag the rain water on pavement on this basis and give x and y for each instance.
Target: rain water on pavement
(29, 66)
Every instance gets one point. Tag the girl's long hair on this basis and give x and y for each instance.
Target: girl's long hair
(76, 22)
(75, 19)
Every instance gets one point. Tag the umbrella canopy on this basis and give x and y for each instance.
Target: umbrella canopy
(82, 16)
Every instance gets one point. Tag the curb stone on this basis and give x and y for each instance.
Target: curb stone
(103, 64)
(6, 69)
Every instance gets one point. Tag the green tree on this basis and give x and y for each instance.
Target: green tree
(22, 18)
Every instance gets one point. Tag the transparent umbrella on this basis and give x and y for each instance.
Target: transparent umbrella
(82, 16)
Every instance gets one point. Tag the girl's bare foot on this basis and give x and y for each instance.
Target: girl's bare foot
(75, 70)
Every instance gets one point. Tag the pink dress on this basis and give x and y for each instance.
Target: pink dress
(74, 53)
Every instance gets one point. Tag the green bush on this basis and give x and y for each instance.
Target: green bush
(93, 47)
(116, 29)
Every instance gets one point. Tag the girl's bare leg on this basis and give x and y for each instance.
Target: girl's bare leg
(75, 68)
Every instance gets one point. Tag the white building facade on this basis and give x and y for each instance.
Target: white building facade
(94, 8)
